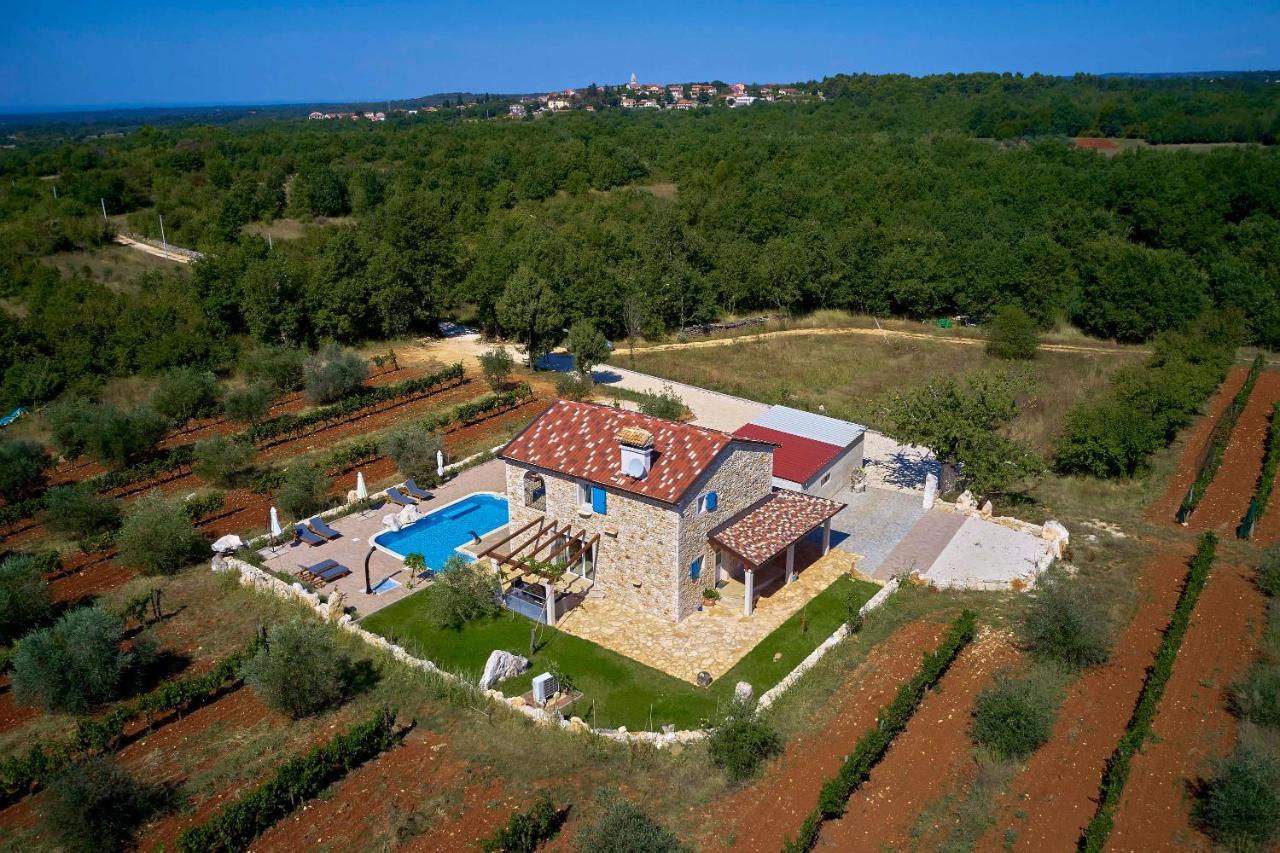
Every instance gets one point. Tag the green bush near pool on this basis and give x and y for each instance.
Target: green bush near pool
(624, 692)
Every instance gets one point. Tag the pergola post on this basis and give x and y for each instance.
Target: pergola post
(551, 602)
(826, 536)
(791, 563)
(748, 600)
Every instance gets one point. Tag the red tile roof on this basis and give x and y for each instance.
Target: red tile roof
(767, 527)
(581, 440)
(797, 458)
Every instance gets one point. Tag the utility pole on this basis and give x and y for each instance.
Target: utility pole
(103, 201)
(269, 245)
(55, 192)
(163, 242)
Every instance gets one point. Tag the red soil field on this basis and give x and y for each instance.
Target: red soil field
(1227, 498)
(926, 760)
(1095, 144)
(1163, 509)
(1192, 725)
(761, 816)
(1052, 800)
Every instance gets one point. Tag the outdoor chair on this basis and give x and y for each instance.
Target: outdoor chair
(303, 534)
(398, 497)
(331, 574)
(315, 569)
(417, 491)
(318, 526)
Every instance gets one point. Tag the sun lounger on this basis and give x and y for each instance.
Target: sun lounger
(417, 491)
(315, 569)
(318, 526)
(398, 497)
(301, 532)
(333, 573)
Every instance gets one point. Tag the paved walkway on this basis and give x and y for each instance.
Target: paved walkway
(922, 545)
(713, 639)
(353, 547)
(873, 523)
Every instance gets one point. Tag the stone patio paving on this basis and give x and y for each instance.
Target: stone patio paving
(352, 548)
(713, 639)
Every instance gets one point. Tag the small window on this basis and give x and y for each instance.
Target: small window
(599, 501)
(584, 493)
(826, 478)
(707, 503)
(695, 569)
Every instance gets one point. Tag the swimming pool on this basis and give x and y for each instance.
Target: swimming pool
(437, 535)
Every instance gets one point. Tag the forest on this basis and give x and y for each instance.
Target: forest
(910, 197)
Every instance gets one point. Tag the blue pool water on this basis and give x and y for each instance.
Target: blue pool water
(437, 535)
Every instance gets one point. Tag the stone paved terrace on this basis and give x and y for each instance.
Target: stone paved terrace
(874, 522)
(713, 639)
(356, 529)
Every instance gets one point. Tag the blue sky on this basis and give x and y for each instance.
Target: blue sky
(79, 53)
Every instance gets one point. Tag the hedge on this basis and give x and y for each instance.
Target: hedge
(1218, 441)
(1266, 478)
(22, 775)
(1136, 733)
(525, 832)
(891, 720)
(296, 781)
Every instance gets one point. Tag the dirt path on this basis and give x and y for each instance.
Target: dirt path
(885, 333)
(1163, 509)
(1192, 726)
(761, 816)
(925, 760)
(1052, 800)
(167, 254)
(1227, 498)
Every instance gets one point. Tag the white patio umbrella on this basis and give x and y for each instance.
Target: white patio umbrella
(439, 463)
(275, 523)
(362, 491)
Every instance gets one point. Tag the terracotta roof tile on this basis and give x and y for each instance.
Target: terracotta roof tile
(581, 440)
(767, 527)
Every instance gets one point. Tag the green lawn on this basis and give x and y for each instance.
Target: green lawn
(624, 692)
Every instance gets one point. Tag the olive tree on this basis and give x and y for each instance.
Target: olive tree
(413, 448)
(25, 601)
(22, 467)
(300, 670)
(304, 490)
(157, 537)
(222, 460)
(73, 665)
(184, 393)
(333, 373)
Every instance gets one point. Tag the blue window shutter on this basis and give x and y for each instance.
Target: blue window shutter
(711, 501)
(599, 501)
(695, 568)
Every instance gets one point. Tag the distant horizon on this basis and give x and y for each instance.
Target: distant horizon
(54, 109)
(80, 56)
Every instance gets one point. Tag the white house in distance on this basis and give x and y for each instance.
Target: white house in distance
(815, 454)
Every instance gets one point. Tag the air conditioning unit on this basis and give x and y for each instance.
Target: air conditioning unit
(544, 687)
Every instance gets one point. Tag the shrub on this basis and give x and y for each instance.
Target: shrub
(1014, 717)
(116, 437)
(158, 537)
(22, 466)
(665, 404)
(280, 368)
(66, 420)
(1256, 696)
(333, 373)
(742, 741)
(588, 345)
(496, 365)
(462, 593)
(1269, 571)
(1240, 807)
(184, 393)
(624, 828)
(73, 665)
(1012, 334)
(24, 596)
(413, 448)
(574, 386)
(526, 831)
(80, 511)
(222, 460)
(94, 804)
(249, 404)
(1064, 623)
(300, 670)
(304, 490)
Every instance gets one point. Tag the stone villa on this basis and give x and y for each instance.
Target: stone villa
(647, 511)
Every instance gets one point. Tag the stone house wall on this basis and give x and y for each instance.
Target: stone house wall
(635, 562)
(741, 476)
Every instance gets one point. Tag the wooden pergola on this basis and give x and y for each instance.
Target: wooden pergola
(562, 546)
(769, 527)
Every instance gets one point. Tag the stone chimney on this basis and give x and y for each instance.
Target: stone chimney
(635, 447)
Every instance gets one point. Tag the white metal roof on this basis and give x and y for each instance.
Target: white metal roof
(811, 426)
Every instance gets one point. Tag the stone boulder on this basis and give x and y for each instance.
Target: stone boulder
(987, 510)
(930, 490)
(704, 679)
(501, 665)
(743, 692)
(967, 501)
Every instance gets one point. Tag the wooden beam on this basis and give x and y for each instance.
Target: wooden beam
(504, 540)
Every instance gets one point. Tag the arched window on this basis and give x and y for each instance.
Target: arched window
(535, 491)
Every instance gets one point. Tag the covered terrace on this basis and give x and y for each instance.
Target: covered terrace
(770, 527)
(542, 563)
